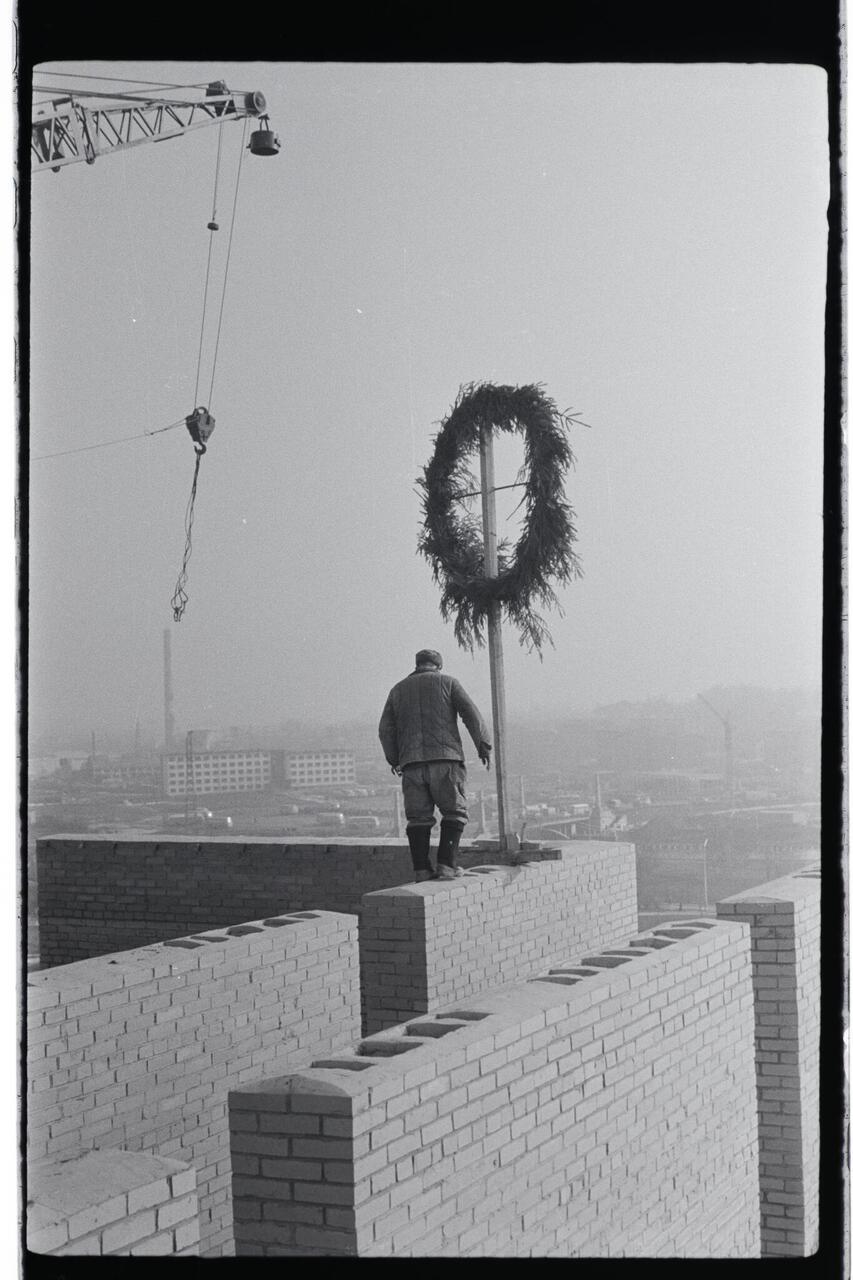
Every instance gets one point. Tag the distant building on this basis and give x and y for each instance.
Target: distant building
(229, 770)
(694, 858)
(59, 762)
(603, 820)
(320, 768)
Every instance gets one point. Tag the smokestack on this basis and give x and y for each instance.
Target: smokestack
(169, 734)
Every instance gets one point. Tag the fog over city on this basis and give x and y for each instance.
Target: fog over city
(646, 241)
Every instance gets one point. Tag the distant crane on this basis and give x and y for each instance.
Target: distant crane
(727, 744)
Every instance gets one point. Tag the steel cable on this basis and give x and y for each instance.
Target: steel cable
(39, 457)
(227, 260)
(207, 272)
(180, 598)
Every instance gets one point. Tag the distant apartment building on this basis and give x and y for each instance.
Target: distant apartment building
(241, 769)
(320, 768)
(254, 769)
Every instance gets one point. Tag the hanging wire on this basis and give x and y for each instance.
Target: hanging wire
(154, 84)
(180, 598)
(216, 174)
(207, 272)
(105, 444)
(135, 96)
(227, 260)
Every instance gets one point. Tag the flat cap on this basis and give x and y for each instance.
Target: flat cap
(425, 657)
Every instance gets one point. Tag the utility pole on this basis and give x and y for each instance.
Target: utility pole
(506, 840)
(727, 746)
(482, 813)
(596, 823)
(168, 698)
(189, 789)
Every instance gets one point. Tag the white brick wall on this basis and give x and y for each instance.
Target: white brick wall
(604, 1112)
(784, 919)
(102, 1203)
(424, 945)
(137, 1050)
(96, 896)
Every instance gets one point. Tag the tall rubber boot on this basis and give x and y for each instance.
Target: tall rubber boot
(448, 846)
(419, 838)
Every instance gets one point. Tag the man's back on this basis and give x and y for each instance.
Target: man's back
(419, 721)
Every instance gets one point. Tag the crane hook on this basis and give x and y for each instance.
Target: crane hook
(200, 425)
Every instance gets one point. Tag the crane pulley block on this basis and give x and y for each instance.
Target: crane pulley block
(200, 425)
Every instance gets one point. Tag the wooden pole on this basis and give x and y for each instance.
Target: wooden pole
(496, 658)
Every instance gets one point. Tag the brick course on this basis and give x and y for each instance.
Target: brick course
(97, 896)
(112, 1202)
(137, 1050)
(425, 945)
(605, 1109)
(784, 921)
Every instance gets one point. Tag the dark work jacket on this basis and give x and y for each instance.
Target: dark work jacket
(419, 720)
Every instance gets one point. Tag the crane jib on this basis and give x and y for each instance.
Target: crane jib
(75, 128)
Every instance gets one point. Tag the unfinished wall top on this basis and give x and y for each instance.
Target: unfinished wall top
(98, 895)
(137, 1050)
(576, 1114)
(424, 944)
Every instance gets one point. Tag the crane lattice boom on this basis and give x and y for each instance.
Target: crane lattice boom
(74, 128)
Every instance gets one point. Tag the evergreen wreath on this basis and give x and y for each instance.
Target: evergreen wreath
(451, 537)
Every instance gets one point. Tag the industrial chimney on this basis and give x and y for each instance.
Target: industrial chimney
(169, 735)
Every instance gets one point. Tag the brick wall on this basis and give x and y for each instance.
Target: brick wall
(112, 1202)
(425, 945)
(606, 1110)
(784, 920)
(100, 895)
(137, 1050)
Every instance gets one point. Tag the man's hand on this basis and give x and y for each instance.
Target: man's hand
(396, 770)
(484, 751)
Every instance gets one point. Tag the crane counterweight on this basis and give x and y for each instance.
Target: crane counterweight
(263, 142)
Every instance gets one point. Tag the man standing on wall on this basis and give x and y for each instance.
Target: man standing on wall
(420, 737)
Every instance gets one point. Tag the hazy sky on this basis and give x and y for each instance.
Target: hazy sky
(647, 241)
